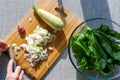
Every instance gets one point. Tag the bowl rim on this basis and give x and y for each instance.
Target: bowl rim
(69, 53)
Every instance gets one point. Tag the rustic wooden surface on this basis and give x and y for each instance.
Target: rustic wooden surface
(58, 44)
(12, 11)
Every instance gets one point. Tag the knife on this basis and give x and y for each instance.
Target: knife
(12, 57)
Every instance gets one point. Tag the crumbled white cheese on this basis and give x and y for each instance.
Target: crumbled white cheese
(32, 65)
(8, 45)
(30, 19)
(14, 45)
(26, 55)
(35, 45)
(16, 53)
(16, 49)
(50, 48)
(23, 46)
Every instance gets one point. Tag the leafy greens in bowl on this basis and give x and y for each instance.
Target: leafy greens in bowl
(94, 49)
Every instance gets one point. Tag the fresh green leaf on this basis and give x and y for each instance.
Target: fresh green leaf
(96, 49)
(108, 31)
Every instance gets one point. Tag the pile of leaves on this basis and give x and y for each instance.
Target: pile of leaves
(97, 49)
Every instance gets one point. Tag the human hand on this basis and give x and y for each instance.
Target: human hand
(16, 75)
(3, 46)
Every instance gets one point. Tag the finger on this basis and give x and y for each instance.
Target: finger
(10, 67)
(3, 46)
(17, 70)
(3, 42)
(21, 75)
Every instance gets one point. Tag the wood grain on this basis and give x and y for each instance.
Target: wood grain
(59, 44)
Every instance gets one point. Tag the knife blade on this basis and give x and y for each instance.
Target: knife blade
(11, 55)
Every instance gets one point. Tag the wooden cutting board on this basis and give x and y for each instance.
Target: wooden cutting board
(59, 44)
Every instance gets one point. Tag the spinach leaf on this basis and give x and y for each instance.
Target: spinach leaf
(108, 70)
(109, 45)
(96, 49)
(83, 64)
(108, 31)
(77, 50)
